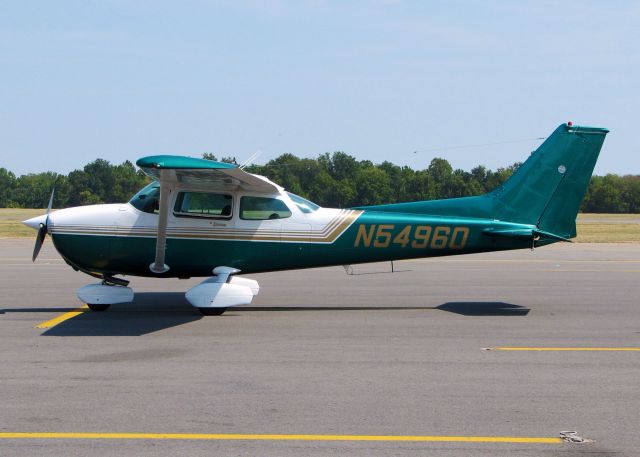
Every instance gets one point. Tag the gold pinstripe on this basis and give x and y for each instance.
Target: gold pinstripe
(133, 231)
(328, 234)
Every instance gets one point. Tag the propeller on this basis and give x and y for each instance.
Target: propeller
(42, 230)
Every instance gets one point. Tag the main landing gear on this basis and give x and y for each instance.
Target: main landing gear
(211, 297)
(214, 295)
(212, 311)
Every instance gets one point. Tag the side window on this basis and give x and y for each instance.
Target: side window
(261, 208)
(305, 205)
(203, 204)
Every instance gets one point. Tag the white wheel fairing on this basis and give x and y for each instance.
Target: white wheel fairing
(218, 295)
(105, 294)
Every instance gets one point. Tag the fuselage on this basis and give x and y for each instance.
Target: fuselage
(244, 234)
(213, 219)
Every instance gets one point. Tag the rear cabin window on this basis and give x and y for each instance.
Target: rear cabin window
(203, 204)
(305, 205)
(263, 208)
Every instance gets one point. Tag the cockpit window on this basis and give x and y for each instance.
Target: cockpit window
(305, 205)
(148, 199)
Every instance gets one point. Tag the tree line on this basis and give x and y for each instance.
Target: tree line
(333, 180)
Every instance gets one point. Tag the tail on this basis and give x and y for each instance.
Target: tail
(546, 191)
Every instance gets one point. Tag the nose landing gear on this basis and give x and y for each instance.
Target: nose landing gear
(99, 297)
(98, 306)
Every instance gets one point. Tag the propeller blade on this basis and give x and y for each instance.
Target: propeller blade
(53, 191)
(42, 233)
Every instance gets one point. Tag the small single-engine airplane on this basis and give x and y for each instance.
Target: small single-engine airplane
(200, 218)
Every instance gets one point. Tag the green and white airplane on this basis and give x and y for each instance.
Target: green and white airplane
(200, 218)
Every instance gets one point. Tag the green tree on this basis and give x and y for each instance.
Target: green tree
(34, 190)
(101, 179)
(340, 165)
(7, 186)
(335, 180)
(373, 186)
(211, 156)
(440, 171)
(605, 195)
(127, 181)
(80, 187)
(496, 178)
(631, 193)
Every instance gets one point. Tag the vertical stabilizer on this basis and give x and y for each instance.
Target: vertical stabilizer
(548, 188)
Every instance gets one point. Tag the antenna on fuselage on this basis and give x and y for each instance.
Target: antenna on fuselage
(252, 157)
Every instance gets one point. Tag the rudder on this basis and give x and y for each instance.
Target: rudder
(548, 188)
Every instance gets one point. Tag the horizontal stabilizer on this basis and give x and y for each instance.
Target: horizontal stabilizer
(553, 236)
(524, 233)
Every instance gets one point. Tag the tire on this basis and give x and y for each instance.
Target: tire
(212, 311)
(98, 306)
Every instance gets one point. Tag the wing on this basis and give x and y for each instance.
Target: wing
(176, 171)
(200, 173)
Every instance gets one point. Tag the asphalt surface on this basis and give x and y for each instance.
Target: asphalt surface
(320, 352)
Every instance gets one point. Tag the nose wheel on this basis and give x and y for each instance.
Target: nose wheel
(99, 297)
(98, 306)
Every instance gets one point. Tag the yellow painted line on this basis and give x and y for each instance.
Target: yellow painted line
(560, 349)
(255, 437)
(63, 317)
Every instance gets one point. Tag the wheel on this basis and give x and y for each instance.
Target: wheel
(212, 311)
(98, 306)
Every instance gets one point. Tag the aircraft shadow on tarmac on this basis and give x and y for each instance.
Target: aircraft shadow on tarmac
(464, 308)
(154, 311)
(484, 309)
(149, 312)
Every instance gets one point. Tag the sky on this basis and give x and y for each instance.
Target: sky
(403, 81)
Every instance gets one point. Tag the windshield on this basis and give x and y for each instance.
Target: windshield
(147, 199)
(305, 205)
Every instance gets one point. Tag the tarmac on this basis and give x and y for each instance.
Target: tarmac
(478, 355)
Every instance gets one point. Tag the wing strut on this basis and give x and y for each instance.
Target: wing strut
(158, 266)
